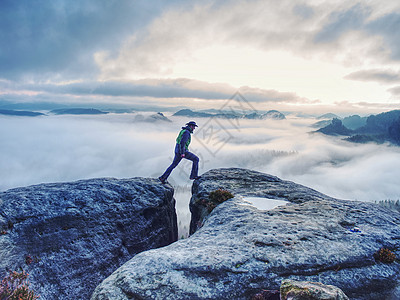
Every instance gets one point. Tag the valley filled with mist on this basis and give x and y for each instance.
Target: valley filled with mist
(58, 148)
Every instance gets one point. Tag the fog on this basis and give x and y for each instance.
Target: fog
(66, 148)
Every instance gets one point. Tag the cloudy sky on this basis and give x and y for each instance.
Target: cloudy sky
(340, 54)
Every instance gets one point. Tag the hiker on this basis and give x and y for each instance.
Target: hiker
(182, 151)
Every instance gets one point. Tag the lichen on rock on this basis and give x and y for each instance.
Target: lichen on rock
(305, 290)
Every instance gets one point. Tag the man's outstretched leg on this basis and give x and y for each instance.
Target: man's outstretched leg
(175, 162)
(195, 165)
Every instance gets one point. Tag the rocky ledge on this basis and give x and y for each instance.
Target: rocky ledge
(243, 182)
(70, 236)
(240, 250)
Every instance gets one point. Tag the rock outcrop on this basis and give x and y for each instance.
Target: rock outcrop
(380, 128)
(354, 122)
(241, 250)
(70, 236)
(245, 183)
(336, 128)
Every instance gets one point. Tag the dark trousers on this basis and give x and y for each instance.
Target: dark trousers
(177, 160)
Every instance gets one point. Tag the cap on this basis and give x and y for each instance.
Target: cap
(193, 123)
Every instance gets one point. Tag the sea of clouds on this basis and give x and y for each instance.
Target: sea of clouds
(58, 148)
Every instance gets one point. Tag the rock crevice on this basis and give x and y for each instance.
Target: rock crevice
(240, 250)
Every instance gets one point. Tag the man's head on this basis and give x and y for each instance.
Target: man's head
(192, 124)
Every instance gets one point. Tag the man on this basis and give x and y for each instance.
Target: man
(182, 151)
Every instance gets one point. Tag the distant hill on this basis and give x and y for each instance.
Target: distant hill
(120, 110)
(365, 138)
(159, 117)
(22, 113)
(321, 124)
(379, 124)
(328, 116)
(78, 111)
(211, 111)
(152, 118)
(354, 122)
(191, 113)
(351, 122)
(394, 132)
(335, 128)
(384, 127)
(272, 114)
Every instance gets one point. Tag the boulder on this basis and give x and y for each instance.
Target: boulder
(245, 183)
(70, 236)
(305, 290)
(239, 250)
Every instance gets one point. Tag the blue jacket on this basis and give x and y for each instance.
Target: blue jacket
(183, 140)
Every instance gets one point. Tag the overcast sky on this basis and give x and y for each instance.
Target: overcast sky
(302, 54)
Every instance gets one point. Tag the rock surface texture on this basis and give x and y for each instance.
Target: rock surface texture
(242, 182)
(239, 250)
(70, 236)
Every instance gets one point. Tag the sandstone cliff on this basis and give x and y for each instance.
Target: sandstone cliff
(70, 236)
(238, 250)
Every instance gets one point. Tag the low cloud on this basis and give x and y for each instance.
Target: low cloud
(68, 148)
(155, 88)
(64, 148)
(395, 91)
(383, 76)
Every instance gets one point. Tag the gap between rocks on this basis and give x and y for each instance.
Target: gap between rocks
(182, 195)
